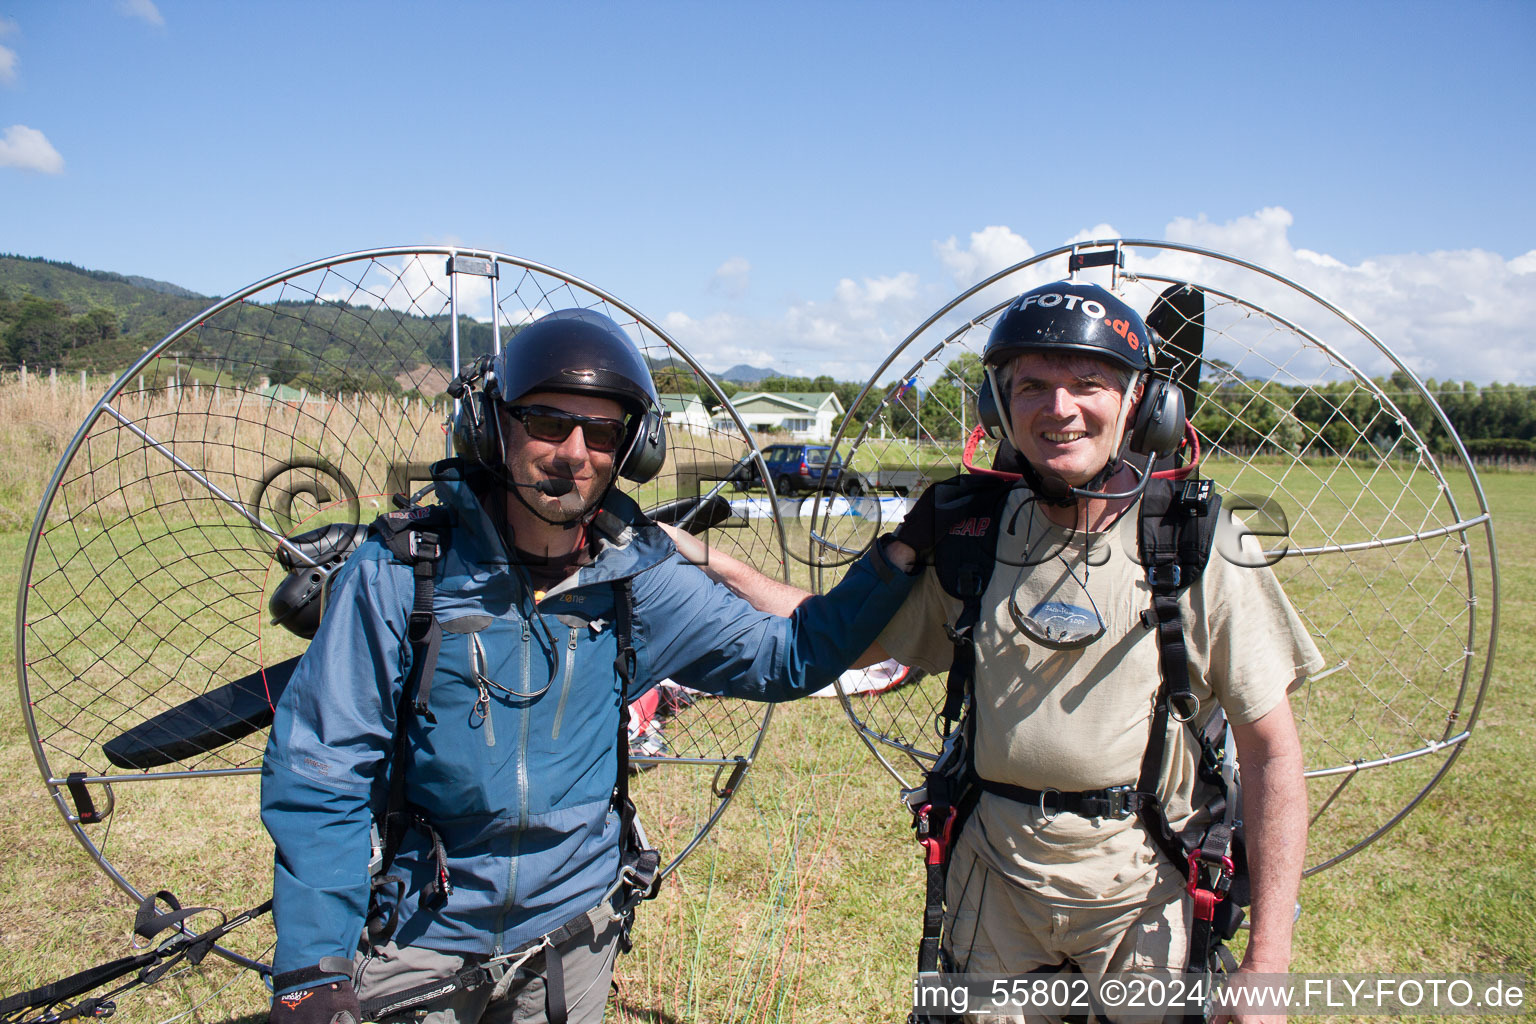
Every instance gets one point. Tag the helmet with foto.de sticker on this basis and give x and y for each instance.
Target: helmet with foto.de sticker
(1069, 316)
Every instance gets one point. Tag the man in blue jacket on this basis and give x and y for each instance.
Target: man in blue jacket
(553, 601)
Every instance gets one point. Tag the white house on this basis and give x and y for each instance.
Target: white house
(805, 416)
(685, 412)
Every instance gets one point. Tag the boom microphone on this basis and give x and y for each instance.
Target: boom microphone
(555, 487)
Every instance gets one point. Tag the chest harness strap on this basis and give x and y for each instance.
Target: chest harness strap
(940, 806)
(417, 537)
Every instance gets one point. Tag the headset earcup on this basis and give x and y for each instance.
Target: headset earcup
(1159, 425)
(474, 429)
(649, 452)
(464, 428)
(488, 438)
(986, 409)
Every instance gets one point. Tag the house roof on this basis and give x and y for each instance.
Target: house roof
(679, 403)
(282, 393)
(800, 401)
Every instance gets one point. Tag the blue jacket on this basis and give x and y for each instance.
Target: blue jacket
(521, 798)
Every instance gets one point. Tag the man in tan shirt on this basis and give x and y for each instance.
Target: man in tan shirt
(1067, 670)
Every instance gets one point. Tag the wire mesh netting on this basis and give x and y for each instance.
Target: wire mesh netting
(307, 400)
(1354, 483)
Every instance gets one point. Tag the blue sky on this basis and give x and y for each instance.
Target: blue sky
(796, 183)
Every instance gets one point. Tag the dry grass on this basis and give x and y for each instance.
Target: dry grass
(803, 905)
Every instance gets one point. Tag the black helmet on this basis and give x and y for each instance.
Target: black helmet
(1068, 315)
(578, 351)
(575, 351)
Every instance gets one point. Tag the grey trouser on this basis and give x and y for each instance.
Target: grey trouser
(518, 998)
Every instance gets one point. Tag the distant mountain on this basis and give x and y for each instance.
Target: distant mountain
(741, 373)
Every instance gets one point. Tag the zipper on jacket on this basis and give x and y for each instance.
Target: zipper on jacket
(522, 786)
(565, 683)
(511, 901)
(522, 740)
(482, 707)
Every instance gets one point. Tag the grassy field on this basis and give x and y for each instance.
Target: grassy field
(803, 905)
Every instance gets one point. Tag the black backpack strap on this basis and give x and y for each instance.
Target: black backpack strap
(1176, 528)
(1175, 531)
(624, 668)
(639, 862)
(967, 521)
(416, 537)
(967, 516)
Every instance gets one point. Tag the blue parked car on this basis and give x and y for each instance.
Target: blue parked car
(802, 467)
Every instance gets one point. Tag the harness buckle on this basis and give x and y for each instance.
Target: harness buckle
(1045, 815)
(1164, 576)
(498, 967)
(1205, 899)
(958, 637)
(636, 884)
(937, 845)
(1120, 800)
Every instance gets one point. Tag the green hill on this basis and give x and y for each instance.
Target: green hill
(58, 314)
(55, 314)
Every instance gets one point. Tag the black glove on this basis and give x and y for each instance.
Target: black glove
(327, 1003)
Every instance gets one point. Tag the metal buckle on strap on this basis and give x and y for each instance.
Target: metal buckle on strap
(1047, 816)
(1164, 575)
(958, 637)
(1183, 706)
(1225, 869)
(637, 885)
(498, 966)
(933, 838)
(1120, 801)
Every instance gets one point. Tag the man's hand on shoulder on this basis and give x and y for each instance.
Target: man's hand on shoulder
(764, 594)
(331, 1003)
(919, 528)
(900, 554)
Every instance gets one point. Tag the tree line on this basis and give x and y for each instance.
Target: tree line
(1338, 418)
(1328, 420)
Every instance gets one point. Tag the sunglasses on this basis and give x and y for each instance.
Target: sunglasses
(552, 425)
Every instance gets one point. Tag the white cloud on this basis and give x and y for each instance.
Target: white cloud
(7, 55)
(1099, 231)
(1459, 314)
(717, 339)
(29, 150)
(1446, 314)
(144, 10)
(732, 277)
(843, 335)
(993, 248)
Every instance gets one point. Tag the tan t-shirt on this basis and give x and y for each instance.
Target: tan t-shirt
(1079, 720)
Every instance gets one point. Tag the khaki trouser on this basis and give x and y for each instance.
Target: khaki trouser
(995, 926)
(519, 998)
